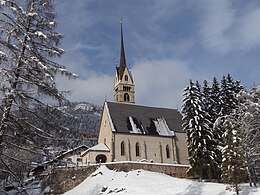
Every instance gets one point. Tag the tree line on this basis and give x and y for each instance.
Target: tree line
(223, 131)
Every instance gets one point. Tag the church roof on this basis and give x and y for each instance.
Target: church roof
(99, 147)
(129, 118)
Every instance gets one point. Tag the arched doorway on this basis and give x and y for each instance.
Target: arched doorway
(101, 158)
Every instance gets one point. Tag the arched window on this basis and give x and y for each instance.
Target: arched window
(122, 148)
(126, 78)
(167, 151)
(116, 98)
(137, 149)
(126, 97)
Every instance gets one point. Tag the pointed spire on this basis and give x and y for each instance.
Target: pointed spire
(122, 64)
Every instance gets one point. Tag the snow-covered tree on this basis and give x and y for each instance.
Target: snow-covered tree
(249, 130)
(233, 165)
(228, 95)
(215, 110)
(215, 100)
(211, 104)
(225, 103)
(28, 41)
(199, 134)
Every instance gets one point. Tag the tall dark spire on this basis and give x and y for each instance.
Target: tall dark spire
(122, 64)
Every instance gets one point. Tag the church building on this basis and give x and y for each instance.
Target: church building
(130, 132)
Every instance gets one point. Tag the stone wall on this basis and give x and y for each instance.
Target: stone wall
(63, 179)
(169, 169)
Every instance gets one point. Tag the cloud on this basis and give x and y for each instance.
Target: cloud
(95, 89)
(249, 31)
(218, 19)
(157, 83)
(228, 28)
(160, 82)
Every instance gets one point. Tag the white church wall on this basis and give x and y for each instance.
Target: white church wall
(152, 148)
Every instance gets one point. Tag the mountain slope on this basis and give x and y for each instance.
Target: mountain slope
(82, 123)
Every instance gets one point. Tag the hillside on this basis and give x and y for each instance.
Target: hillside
(140, 182)
(81, 124)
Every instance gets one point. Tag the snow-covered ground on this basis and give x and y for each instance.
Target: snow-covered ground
(140, 182)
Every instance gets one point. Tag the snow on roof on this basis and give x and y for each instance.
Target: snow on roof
(135, 129)
(162, 127)
(129, 118)
(105, 181)
(109, 118)
(98, 147)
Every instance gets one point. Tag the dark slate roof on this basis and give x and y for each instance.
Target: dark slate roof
(143, 117)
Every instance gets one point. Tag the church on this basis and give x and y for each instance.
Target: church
(130, 132)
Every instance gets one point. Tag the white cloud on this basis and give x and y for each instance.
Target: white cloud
(250, 29)
(226, 28)
(160, 83)
(217, 23)
(157, 83)
(95, 89)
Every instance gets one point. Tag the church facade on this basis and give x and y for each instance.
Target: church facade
(130, 132)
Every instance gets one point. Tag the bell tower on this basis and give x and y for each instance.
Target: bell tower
(124, 88)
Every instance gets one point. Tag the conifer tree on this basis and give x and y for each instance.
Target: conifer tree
(28, 41)
(228, 99)
(210, 103)
(233, 164)
(215, 100)
(215, 110)
(198, 131)
(249, 130)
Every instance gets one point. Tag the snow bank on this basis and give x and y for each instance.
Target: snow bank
(140, 182)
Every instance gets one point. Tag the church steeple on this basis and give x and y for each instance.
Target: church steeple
(124, 90)
(122, 63)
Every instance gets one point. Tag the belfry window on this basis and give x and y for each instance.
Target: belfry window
(137, 149)
(126, 97)
(126, 88)
(126, 78)
(122, 148)
(167, 151)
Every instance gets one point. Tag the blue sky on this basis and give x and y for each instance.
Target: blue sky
(167, 42)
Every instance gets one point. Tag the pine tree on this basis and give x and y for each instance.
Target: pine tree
(210, 102)
(232, 167)
(228, 99)
(215, 110)
(28, 41)
(198, 131)
(249, 130)
(215, 100)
